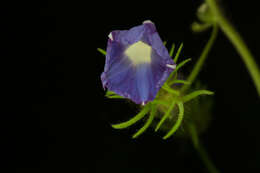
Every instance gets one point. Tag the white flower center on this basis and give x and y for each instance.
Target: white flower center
(139, 53)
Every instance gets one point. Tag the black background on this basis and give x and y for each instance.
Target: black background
(54, 117)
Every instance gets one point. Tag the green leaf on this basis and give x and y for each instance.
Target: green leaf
(172, 50)
(147, 123)
(102, 51)
(178, 53)
(178, 122)
(196, 94)
(166, 115)
(165, 42)
(133, 120)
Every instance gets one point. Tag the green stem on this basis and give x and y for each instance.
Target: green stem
(237, 42)
(202, 58)
(201, 151)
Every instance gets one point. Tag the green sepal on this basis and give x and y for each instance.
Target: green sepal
(102, 51)
(133, 120)
(160, 102)
(147, 123)
(170, 90)
(178, 122)
(180, 82)
(172, 50)
(166, 115)
(113, 95)
(176, 70)
(178, 54)
(196, 94)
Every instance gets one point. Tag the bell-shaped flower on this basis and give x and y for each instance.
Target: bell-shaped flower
(137, 63)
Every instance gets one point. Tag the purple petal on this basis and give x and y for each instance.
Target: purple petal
(136, 63)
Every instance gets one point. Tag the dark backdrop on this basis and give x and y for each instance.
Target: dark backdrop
(54, 117)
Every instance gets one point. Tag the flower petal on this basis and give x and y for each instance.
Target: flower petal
(137, 63)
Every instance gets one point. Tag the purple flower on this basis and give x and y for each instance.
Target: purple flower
(137, 63)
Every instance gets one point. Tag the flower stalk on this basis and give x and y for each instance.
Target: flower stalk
(237, 42)
(200, 149)
(198, 66)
